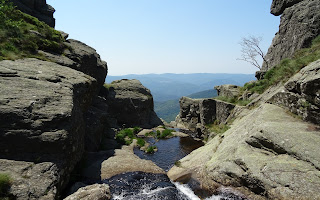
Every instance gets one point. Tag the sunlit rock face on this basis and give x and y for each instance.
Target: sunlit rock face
(299, 25)
(37, 8)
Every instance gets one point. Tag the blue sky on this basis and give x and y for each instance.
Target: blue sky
(167, 36)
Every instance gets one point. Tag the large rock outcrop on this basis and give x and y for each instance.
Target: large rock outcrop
(229, 91)
(41, 112)
(267, 154)
(47, 114)
(132, 104)
(196, 113)
(300, 24)
(37, 8)
(301, 94)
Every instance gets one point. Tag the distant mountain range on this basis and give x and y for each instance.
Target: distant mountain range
(167, 89)
(173, 86)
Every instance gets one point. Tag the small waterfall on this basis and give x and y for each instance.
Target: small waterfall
(186, 190)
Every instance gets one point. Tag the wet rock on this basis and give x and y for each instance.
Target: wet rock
(132, 104)
(96, 192)
(124, 161)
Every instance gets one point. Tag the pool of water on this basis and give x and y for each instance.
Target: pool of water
(145, 186)
(169, 150)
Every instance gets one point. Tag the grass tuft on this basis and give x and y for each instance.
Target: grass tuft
(5, 184)
(217, 127)
(151, 149)
(234, 100)
(287, 68)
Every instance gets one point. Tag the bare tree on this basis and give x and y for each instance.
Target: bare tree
(251, 49)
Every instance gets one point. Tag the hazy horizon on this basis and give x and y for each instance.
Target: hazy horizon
(168, 36)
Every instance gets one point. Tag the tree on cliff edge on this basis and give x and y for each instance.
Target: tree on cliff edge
(251, 49)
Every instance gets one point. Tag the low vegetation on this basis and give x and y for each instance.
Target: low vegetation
(177, 163)
(287, 68)
(22, 35)
(234, 100)
(126, 136)
(5, 183)
(141, 142)
(151, 149)
(217, 127)
(161, 134)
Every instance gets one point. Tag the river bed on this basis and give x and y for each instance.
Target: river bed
(147, 186)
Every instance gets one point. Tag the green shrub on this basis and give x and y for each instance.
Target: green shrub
(141, 142)
(158, 133)
(136, 130)
(123, 134)
(22, 35)
(151, 149)
(5, 183)
(165, 133)
(287, 68)
(150, 134)
(177, 163)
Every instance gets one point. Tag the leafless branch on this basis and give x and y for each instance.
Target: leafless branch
(251, 49)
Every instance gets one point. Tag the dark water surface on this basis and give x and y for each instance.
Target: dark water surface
(145, 186)
(169, 150)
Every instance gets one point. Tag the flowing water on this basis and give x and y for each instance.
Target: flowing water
(147, 186)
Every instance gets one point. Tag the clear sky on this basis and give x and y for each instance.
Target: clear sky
(167, 36)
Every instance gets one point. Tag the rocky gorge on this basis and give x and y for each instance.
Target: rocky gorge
(60, 122)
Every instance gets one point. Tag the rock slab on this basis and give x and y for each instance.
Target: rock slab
(267, 154)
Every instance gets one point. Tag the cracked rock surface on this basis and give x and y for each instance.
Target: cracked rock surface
(268, 153)
(41, 114)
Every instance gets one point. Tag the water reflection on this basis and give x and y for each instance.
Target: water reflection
(169, 150)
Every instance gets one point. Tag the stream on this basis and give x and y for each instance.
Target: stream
(146, 186)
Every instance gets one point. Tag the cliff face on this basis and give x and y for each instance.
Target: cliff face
(300, 24)
(37, 8)
(42, 114)
(196, 113)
